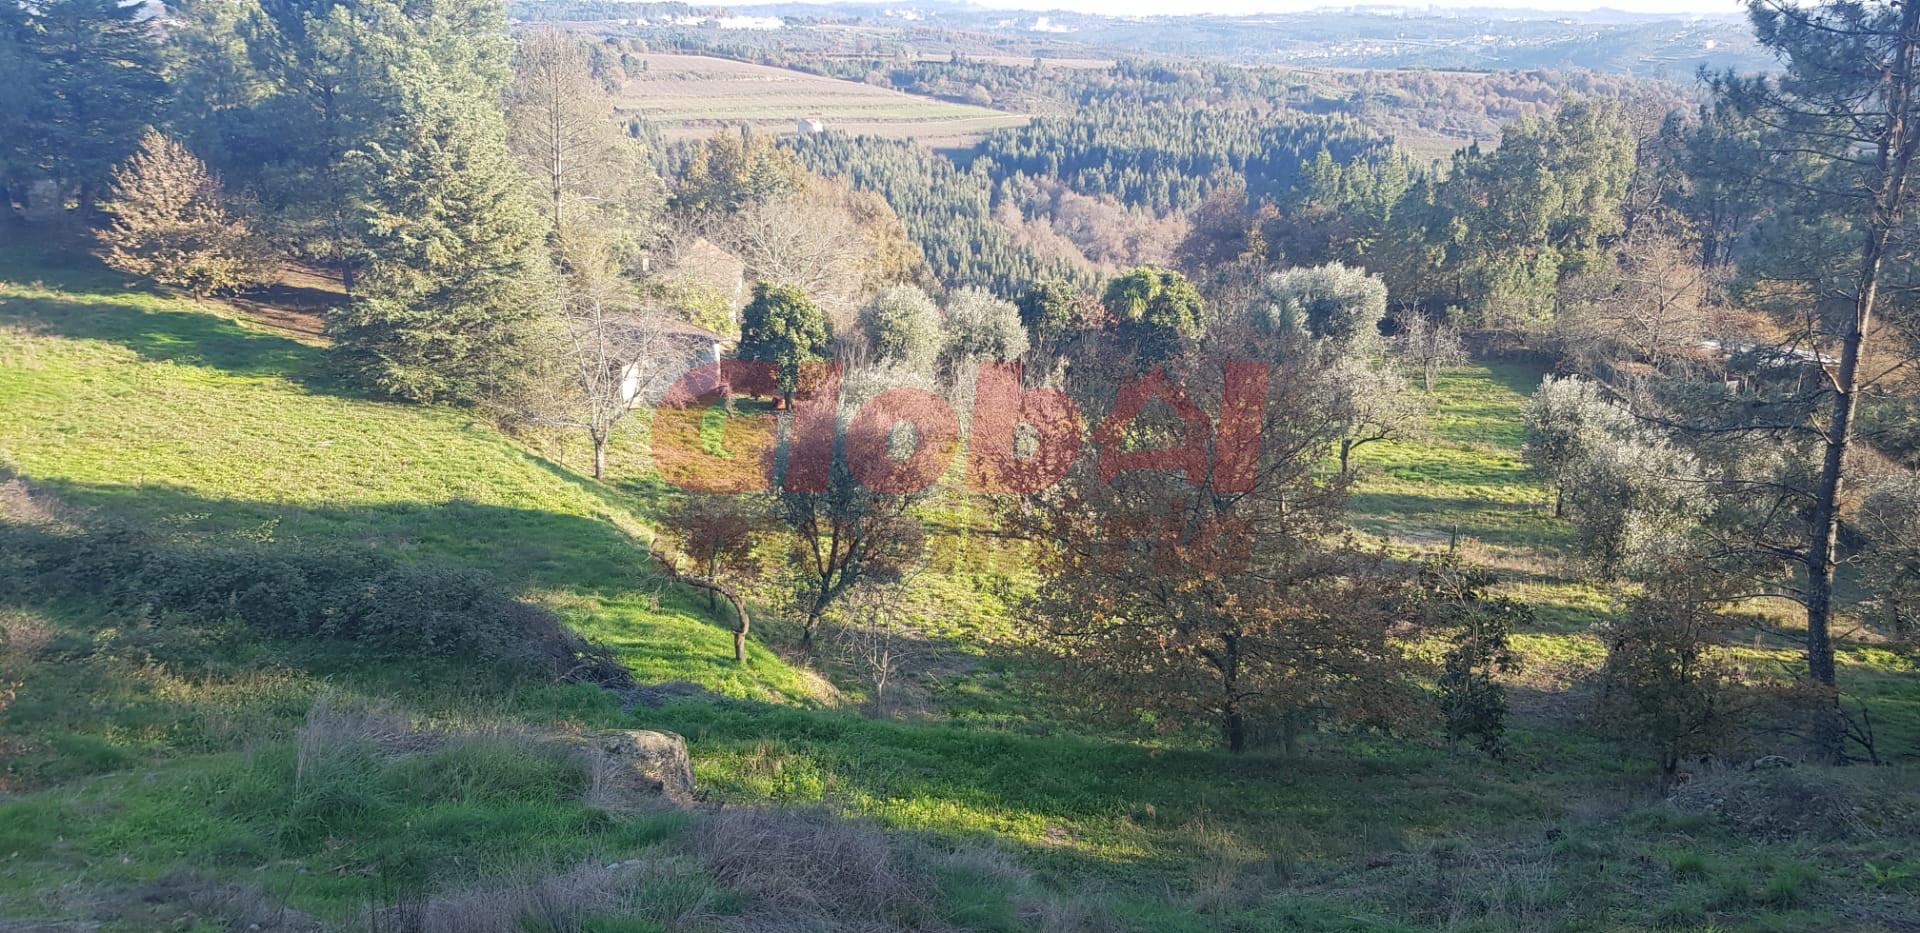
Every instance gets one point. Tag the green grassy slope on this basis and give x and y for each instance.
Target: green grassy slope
(138, 751)
(169, 416)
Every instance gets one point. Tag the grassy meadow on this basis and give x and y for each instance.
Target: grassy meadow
(158, 776)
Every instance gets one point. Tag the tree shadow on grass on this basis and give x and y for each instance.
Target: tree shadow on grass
(75, 297)
(1081, 804)
(524, 548)
(1514, 524)
(1102, 806)
(585, 569)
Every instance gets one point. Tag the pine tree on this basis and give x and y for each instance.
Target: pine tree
(19, 74)
(216, 87)
(1838, 163)
(172, 222)
(342, 79)
(434, 231)
(82, 83)
(440, 312)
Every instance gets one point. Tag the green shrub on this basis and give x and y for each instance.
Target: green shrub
(333, 793)
(1682, 914)
(417, 610)
(1687, 865)
(1791, 885)
(80, 754)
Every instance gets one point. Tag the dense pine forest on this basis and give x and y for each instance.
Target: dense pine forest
(1210, 495)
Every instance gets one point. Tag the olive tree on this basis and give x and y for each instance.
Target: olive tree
(1429, 345)
(1337, 304)
(980, 328)
(1566, 419)
(903, 327)
(1636, 501)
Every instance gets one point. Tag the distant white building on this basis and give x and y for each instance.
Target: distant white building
(642, 381)
(810, 125)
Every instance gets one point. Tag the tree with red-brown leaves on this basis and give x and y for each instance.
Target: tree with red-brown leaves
(718, 535)
(1195, 559)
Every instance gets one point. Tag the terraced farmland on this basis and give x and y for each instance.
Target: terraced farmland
(690, 96)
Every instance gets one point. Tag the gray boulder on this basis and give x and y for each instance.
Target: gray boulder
(639, 763)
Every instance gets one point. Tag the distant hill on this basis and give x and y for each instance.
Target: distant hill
(1673, 46)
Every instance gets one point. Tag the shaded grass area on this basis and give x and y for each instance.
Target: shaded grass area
(150, 747)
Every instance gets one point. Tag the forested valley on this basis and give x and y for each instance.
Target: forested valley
(439, 494)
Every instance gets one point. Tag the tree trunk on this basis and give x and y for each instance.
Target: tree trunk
(1234, 722)
(815, 610)
(742, 622)
(1346, 454)
(1823, 547)
(741, 625)
(1822, 557)
(599, 455)
(1236, 731)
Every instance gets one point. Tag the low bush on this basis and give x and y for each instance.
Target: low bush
(810, 862)
(409, 609)
(1821, 804)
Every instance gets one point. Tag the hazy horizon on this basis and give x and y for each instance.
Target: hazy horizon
(1248, 7)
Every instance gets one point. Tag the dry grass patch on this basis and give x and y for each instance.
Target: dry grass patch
(811, 862)
(1785, 803)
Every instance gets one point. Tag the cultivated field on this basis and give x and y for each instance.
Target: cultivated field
(690, 96)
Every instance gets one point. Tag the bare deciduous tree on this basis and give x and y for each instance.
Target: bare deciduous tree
(875, 638)
(562, 131)
(806, 240)
(1650, 305)
(606, 354)
(1429, 345)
